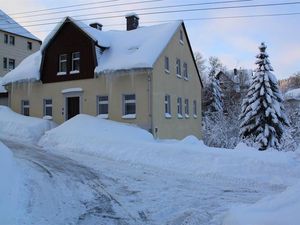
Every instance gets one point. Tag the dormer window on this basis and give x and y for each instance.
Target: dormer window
(181, 37)
(62, 69)
(75, 62)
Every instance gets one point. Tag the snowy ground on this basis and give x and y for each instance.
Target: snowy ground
(120, 180)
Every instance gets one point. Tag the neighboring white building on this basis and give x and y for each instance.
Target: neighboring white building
(293, 96)
(16, 43)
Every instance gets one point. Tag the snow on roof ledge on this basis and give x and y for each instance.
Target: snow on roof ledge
(70, 90)
(132, 14)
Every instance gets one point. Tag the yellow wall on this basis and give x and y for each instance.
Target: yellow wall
(114, 87)
(168, 83)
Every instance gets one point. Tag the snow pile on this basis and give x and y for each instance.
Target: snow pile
(273, 210)
(103, 138)
(28, 69)
(9, 25)
(14, 126)
(292, 94)
(8, 186)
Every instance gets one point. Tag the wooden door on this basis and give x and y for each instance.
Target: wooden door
(73, 107)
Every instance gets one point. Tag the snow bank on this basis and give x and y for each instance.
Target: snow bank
(273, 210)
(103, 138)
(292, 94)
(28, 69)
(14, 126)
(8, 186)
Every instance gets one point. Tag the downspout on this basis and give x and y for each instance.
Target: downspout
(150, 108)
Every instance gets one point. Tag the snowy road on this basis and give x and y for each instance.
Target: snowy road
(61, 190)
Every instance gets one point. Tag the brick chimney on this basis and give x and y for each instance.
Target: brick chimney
(97, 26)
(132, 20)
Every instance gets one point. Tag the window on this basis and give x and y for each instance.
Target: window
(185, 71)
(75, 62)
(11, 40)
(48, 107)
(11, 64)
(103, 106)
(167, 65)
(186, 108)
(195, 112)
(178, 68)
(167, 106)
(181, 37)
(129, 106)
(179, 107)
(29, 45)
(6, 38)
(62, 70)
(4, 63)
(25, 107)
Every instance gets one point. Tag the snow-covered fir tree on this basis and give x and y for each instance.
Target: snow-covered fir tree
(263, 119)
(217, 102)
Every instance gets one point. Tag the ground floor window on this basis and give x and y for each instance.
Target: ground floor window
(25, 107)
(48, 107)
(102, 105)
(129, 106)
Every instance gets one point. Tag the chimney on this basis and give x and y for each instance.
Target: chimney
(97, 26)
(132, 20)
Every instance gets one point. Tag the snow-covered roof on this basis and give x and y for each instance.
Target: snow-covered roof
(7, 24)
(292, 94)
(135, 49)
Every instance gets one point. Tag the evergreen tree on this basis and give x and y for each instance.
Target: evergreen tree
(217, 101)
(263, 117)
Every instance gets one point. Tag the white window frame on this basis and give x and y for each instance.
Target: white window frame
(128, 101)
(195, 110)
(167, 64)
(179, 107)
(60, 62)
(102, 102)
(186, 108)
(25, 106)
(74, 58)
(12, 40)
(178, 67)
(5, 63)
(13, 61)
(168, 112)
(181, 37)
(48, 105)
(185, 71)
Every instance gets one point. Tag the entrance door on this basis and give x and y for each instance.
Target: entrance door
(72, 107)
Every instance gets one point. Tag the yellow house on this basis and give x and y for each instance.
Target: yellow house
(142, 75)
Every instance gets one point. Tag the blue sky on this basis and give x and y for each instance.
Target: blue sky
(234, 41)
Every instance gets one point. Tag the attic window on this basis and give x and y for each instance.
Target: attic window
(75, 62)
(181, 37)
(62, 69)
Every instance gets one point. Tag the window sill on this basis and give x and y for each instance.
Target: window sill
(186, 116)
(61, 73)
(74, 72)
(103, 116)
(179, 76)
(168, 115)
(167, 71)
(179, 116)
(181, 42)
(186, 78)
(195, 116)
(129, 116)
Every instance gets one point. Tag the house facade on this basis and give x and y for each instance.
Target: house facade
(144, 75)
(16, 43)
